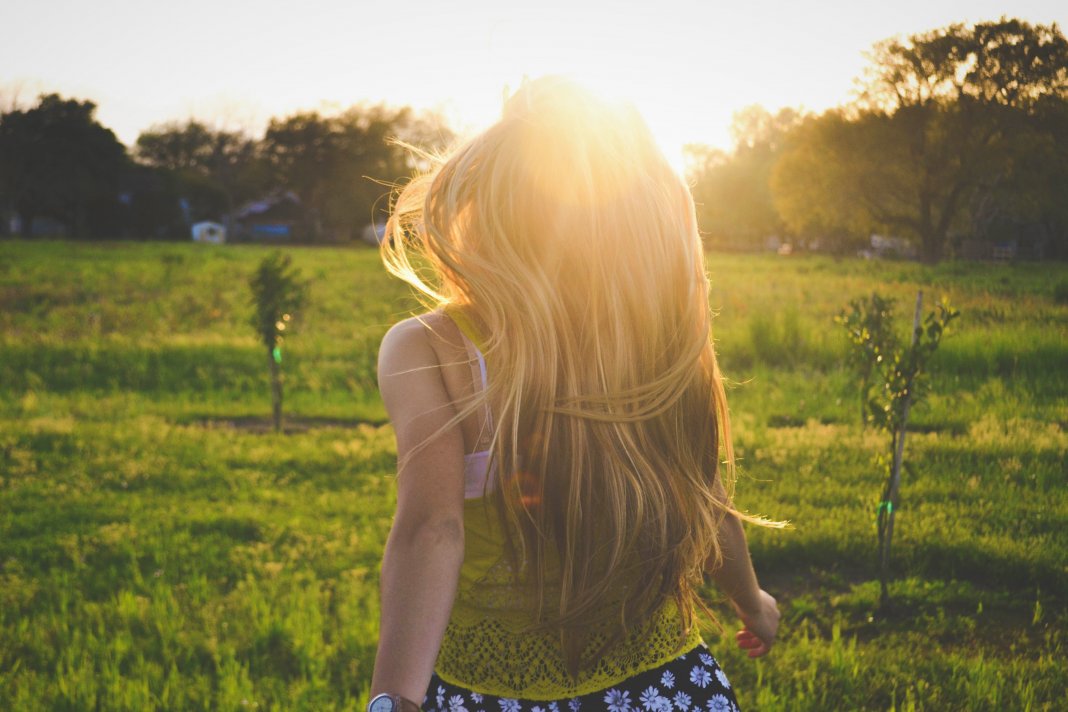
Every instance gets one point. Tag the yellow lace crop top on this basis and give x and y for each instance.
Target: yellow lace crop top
(487, 647)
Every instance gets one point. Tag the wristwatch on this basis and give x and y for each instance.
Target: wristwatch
(391, 703)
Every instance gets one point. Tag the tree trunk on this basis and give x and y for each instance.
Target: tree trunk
(276, 391)
(888, 505)
(932, 247)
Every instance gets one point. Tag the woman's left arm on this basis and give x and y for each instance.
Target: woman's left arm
(421, 565)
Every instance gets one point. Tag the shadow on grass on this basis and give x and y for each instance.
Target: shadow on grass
(946, 611)
(290, 424)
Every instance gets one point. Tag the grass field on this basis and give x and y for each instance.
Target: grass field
(157, 551)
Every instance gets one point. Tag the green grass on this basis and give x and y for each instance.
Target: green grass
(153, 556)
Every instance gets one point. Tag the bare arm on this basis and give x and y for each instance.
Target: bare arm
(736, 578)
(421, 565)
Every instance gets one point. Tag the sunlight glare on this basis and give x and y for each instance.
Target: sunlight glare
(637, 59)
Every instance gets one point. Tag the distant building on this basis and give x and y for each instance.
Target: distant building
(374, 233)
(1008, 238)
(279, 217)
(883, 247)
(42, 227)
(210, 232)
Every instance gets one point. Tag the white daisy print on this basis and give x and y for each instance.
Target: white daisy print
(707, 659)
(667, 679)
(722, 677)
(508, 705)
(618, 700)
(476, 697)
(456, 704)
(700, 677)
(537, 708)
(440, 697)
(653, 701)
(573, 704)
(719, 703)
(682, 700)
(553, 707)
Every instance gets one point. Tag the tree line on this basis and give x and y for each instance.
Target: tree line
(59, 163)
(958, 136)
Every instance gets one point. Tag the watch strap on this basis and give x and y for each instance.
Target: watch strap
(397, 704)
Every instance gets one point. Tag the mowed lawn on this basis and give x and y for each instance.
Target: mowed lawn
(159, 549)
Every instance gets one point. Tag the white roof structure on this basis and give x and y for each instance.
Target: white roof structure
(210, 232)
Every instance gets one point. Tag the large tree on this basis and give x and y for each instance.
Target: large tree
(342, 166)
(215, 169)
(58, 161)
(813, 182)
(734, 203)
(946, 118)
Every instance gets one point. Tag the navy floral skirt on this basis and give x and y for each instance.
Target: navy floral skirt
(692, 681)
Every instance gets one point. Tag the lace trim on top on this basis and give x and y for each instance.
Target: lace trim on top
(493, 655)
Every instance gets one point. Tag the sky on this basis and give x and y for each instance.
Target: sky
(687, 64)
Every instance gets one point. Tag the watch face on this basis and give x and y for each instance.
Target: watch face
(382, 703)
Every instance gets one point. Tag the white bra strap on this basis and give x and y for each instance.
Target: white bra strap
(481, 366)
(481, 372)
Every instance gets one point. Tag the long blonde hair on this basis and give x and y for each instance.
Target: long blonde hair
(566, 238)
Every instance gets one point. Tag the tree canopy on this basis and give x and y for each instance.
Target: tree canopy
(958, 135)
(732, 191)
(952, 126)
(343, 166)
(58, 161)
(215, 170)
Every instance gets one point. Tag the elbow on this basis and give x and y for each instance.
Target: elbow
(443, 535)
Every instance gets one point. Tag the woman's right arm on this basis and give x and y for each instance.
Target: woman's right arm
(735, 577)
(425, 549)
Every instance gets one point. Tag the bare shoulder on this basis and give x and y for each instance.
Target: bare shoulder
(405, 346)
(412, 382)
(423, 340)
(407, 333)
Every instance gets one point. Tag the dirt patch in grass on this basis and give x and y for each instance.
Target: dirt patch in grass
(290, 424)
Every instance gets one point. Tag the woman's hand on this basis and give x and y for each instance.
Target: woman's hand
(734, 575)
(761, 625)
